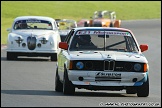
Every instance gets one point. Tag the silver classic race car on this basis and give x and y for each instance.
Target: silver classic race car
(102, 58)
(33, 36)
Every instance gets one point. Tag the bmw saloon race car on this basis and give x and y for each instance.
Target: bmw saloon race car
(33, 36)
(102, 58)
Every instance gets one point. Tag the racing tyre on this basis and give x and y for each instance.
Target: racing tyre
(68, 87)
(11, 56)
(58, 84)
(117, 23)
(111, 24)
(143, 91)
(86, 24)
(54, 57)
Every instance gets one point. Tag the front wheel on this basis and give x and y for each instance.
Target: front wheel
(85, 24)
(58, 84)
(143, 91)
(68, 87)
(54, 57)
(11, 56)
(131, 90)
(111, 25)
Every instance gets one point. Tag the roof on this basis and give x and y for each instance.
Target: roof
(102, 28)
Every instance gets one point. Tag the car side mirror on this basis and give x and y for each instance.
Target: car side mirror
(63, 45)
(9, 29)
(143, 47)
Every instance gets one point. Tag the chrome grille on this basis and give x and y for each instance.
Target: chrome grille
(31, 42)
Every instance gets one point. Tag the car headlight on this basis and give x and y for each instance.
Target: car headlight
(79, 65)
(88, 65)
(44, 40)
(137, 67)
(19, 40)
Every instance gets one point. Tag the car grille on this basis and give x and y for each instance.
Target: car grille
(107, 65)
(31, 42)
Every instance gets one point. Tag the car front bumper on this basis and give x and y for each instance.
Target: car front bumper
(89, 78)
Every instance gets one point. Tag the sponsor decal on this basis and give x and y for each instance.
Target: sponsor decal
(33, 21)
(108, 75)
(103, 33)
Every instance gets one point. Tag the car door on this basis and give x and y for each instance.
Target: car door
(64, 56)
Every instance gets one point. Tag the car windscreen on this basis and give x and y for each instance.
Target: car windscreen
(103, 41)
(33, 24)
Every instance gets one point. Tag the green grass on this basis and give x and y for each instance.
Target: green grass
(125, 10)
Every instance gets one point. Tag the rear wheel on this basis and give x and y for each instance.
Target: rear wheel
(68, 87)
(143, 91)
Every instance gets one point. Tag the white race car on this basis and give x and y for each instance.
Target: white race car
(65, 25)
(102, 58)
(33, 36)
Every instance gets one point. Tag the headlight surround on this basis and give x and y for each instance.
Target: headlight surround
(19, 39)
(79, 65)
(137, 67)
(44, 40)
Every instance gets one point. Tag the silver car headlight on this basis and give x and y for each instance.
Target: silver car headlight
(44, 40)
(137, 67)
(19, 40)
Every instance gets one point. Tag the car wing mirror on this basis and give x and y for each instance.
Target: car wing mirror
(63, 45)
(9, 30)
(143, 47)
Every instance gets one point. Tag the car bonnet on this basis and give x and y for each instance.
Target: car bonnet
(36, 32)
(103, 55)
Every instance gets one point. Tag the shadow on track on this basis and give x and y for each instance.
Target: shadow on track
(54, 93)
(28, 59)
